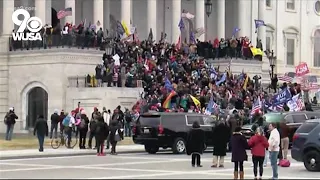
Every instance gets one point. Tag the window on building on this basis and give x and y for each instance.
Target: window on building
(268, 43)
(316, 62)
(268, 3)
(290, 51)
(291, 4)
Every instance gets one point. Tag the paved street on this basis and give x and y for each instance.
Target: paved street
(133, 166)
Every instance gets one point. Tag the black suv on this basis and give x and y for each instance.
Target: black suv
(292, 119)
(306, 145)
(169, 130)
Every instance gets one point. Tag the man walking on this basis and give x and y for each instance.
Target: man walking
(274, 147)
(41, 129)
(54, 124)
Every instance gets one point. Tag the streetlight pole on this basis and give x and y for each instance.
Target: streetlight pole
(272, 61)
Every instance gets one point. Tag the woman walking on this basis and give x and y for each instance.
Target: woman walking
(258, 144)
(195, 144)
(239, 155)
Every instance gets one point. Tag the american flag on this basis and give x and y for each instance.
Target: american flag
(300, 104)
(256, 106)
(63, 13)
(310, 86)
(285, 78)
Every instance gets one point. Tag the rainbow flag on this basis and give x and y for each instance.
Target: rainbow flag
(167, 102)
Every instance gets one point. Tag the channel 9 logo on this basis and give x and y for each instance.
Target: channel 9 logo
(33, 24)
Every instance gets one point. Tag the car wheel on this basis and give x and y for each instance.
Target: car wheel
(311, 160)
(179, 146)
(151, 149)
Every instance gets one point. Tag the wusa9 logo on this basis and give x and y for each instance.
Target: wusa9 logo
(33, 24)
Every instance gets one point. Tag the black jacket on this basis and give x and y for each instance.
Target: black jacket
(10, 118)
(102, 130)
(220, 138)
(86, 120)
(55, 118)
(196, 140)
(114, 127)
(41, 127)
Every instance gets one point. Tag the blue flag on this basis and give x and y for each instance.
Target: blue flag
(259, 23)
(209, 108)
(181, 24)
(235, 31)
(223, 79)
(282, 97)
(167, 85)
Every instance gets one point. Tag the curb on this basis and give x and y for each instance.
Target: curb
(64, 155)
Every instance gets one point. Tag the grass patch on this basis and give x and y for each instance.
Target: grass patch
(32, 143)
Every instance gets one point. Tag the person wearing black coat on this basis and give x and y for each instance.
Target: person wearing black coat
(220, 138)
(239, 145)
(41, 129)
(101, 132)
(83, 130)
(195, 144)
(54, 124)
(116, 135)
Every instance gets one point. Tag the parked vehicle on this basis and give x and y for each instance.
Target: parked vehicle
(169, 130)
(306, 145)
(292, 119)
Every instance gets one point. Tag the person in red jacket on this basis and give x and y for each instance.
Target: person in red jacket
(258, 144)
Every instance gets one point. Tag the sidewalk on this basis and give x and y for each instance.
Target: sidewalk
(34, 153)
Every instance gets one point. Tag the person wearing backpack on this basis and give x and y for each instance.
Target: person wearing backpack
(83, 129)
(101, 134)
(10, 120)
(68, 123)
(127, 124)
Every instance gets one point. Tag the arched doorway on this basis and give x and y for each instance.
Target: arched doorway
(37, 105)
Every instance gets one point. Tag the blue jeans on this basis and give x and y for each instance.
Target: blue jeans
(9, 132)
(41, 141)
(127, 129)
(54, 131)
(274, 163)
(265, 162)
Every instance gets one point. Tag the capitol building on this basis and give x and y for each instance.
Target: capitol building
(292, 31)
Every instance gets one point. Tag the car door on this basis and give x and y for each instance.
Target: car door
(208, 125)
(295, 122)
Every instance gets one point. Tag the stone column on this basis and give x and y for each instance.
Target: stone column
(200, 17)
(106, 19)
(221, 18)
(43, 11)
(126, 11)
(262, 29)
(8, 25)
(98, 13)
(152, 18)
(242, 20)
(176, 16)
(72, 4)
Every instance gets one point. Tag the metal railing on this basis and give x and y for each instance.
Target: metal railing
(91, 81)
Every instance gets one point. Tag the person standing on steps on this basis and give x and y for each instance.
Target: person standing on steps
(41, 130)
(195, 144)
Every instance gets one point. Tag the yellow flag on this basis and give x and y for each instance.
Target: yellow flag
(125, 27)
(246, 83)
(195, 101)
(256, 51)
